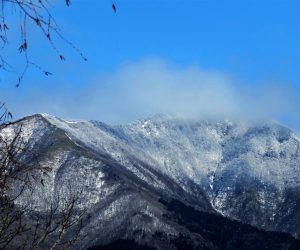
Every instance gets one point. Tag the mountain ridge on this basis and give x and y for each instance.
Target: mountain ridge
(245, 172)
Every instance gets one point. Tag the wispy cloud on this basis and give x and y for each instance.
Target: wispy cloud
(148, 87)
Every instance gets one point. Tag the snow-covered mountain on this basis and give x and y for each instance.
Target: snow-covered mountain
(130, 177)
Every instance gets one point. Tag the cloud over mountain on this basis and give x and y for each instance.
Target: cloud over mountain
(146, 87)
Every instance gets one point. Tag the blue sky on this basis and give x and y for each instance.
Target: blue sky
(249, 46)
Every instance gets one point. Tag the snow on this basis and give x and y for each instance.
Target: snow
(216, 155)
(194, 149)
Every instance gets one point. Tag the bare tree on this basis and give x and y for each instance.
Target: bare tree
(11, 222)
(58, 226)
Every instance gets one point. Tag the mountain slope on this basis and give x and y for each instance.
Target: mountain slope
(129, 175)
(249, 171)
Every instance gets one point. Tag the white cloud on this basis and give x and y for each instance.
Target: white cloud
(148, 87)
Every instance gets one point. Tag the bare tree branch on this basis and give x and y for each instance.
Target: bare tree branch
(36, 13)
(59, 225)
